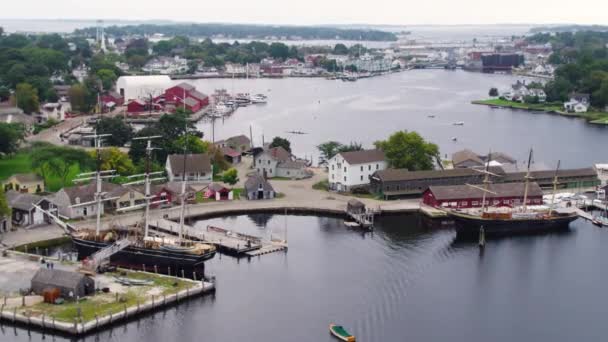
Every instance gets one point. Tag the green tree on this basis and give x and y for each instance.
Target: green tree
(328, 150)
(137, 152)
(409, 150)
(230, 176)
(281, 142)
(65, 158)
(5, 93)
(5, 210)
(11, 135)
(27, 98)
(353, 146)
(340, 49)
(16, 74)
(279, 51)
(121, 132)
(113, 159)
(493, 92)
(107, 77)
(600, 96)
(194, 144)
(78, 98)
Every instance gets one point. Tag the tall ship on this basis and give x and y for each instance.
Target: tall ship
(134, 247)
(520, 219)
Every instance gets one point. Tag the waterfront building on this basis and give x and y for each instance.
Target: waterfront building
(79, 201)
(277, 162)
(142, 87)
(24, 182)
(239, 143)
(196, 167)
(349, 170)
(71, 285)
(185, 93)
(469, 159)
(23, 210)
(464, 196)
(578, 103)
(258, 188)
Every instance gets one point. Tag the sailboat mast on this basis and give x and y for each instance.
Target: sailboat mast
(147, 186)
(554, 188)
(527, 182)
(98, 181)
(183, 194)
(486, 183)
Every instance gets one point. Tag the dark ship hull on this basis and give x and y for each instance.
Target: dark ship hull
(470, 225)
(139, 258)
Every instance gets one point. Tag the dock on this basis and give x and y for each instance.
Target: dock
(432, 212)
(227, 241)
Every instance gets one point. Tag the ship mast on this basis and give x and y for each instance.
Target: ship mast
(183, 194)
(527, 182)
(486, 183)
(555, 183)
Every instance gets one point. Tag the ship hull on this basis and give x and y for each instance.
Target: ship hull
(468, 225)
(151, 260)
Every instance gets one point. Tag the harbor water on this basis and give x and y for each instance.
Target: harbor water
(371, 109)
(402, 282)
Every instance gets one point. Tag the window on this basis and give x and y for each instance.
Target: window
(332, 167)
(361, 176)
(361, 168)
(332, 176)
(288, 173)
(259, 161)
(475, 203)
(377, 166)
(345, 178)
(345, 169)
(369, 167)
(268, 162)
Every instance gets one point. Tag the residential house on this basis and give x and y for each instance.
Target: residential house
(24, 182)
(126, 196)
(239, 143)
(350, 170)
(53, 111)
(466, 159)
(11, 114)
(79, 201)
(166, 65)
(232, 156)
(539, 94)
(578, 103)
(258, 188)
(277, 162)
(24, 208)
(196, 167)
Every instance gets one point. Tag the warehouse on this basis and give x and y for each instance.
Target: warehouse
(141, 87)
(465, 196)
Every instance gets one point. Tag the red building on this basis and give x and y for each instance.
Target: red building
(464, 196)
(114, 97)
(136, 106)
(194, 99)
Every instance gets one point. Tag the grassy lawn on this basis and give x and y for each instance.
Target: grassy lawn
(106, 303)
(22, 163)
(592, 117)
(280, 178)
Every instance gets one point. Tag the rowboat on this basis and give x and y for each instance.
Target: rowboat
(339, 332)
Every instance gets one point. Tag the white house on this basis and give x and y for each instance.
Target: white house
(24, 213)
(79, 201)
(579, 103)
(349, 170)
(197, 168)
(277, 162)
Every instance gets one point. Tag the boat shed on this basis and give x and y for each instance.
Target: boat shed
(464, 196)
(258, 188)
(70, 284)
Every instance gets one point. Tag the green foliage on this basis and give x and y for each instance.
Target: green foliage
(11, 135)
(281, 142)
(121, 132)
(113, 159)
(409, 150)
(340, 49)
(230, 176)
(83, 97)
(41, 127)
(108, 78)
(279, 51)
(27, 98)
(331, 148)
(5, 93)
(59, 161)
(5, 210)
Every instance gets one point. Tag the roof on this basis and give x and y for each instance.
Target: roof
(363, 156)
(252, 183)
(198, 95)
(190, 101)
(186, 86)
(465, 155)
(144, 80)
(22, 201)
(27, 177)
(194, 163)
(114, 95)
(501, 158)
(56, 277)
(86, 193)
(227, 151)
(279, 153)
(14, 116)
(292, 164)
(353, 202)
(396, 175)
(549, 174)
(239, 140)
(454, 192)
(217, 187)
(580, 97)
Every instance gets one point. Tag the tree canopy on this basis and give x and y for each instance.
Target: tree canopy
(121, 132)
(59, 161)
(281, 142)
(408, 150)
(11, 135)
(27, 98)
(113, 159)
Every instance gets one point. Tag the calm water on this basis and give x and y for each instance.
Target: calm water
(403, 282)
(371, 109)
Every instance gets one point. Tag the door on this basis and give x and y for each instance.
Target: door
(84, 211)
(260, 194)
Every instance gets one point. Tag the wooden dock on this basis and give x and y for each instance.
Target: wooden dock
(225, 240)
(432, 212)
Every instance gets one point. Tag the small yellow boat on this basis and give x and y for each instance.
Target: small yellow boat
(339, 332)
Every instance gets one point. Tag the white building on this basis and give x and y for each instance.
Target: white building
(197, 168)
(277, 162)
(348, 170)
(141, 87)
(167, 65)
(579, 103)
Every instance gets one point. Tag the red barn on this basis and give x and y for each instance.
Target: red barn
(112, 96)
(136, 106)
(194, 99)
(464, 196)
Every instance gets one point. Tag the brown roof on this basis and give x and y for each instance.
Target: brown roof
(363, 156)
(393, 175)
(279, 153)
(454, 192)
(238, 140)
(194, 163)
(548, 174)
(86, 193)
(227, 151)
(252, 183)
(464, 155)
(27, 177)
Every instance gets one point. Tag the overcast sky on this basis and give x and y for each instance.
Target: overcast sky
(307, 12)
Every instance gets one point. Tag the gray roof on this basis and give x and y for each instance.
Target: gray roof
(27, 177)
(86, 193)
(10, 116)
(190, 101)
(194, 163)
(549, 174)
(22, 201)
(500, 157)
(238, 140)
(279, 153)
(363, 156)
(396, 175)
(186, 86)
(253, 182)
(197, 95)
(292, 164)
(59, 278)
(465, 155)
(454, 192)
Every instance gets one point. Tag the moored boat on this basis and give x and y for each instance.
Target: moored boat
(339, 332)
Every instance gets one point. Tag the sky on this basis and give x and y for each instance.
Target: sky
(315, 12)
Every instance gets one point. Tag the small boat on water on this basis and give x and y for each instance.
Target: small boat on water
(258, 98)
(454, 139)
(339, 332)
(431, 116)
(601, 221)
(458, 123)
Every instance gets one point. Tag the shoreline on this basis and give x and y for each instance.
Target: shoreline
(593, 118)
